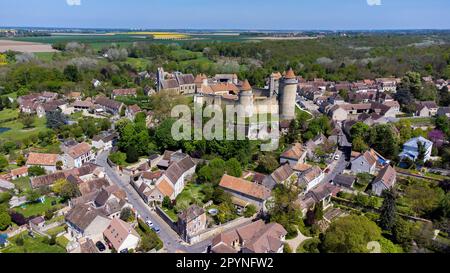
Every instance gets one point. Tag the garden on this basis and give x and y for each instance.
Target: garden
(24, 243)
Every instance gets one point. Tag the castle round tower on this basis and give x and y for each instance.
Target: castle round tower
(246, 98)
(288, 95)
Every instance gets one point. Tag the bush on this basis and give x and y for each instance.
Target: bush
(309, 246)
(118, 158)
(18, 218)
(36, 171)
(5, 197)
(5, 219)
(127, 215)
(250, 210)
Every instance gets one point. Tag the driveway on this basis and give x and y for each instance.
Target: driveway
(172, 242)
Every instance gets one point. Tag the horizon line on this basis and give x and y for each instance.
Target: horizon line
(228, 29)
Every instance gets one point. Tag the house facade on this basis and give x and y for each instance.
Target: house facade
(411, 148)
(78, 155)
(191, 222)
(384, 181)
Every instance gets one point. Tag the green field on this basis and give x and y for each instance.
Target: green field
(45, 56)
(100, 41)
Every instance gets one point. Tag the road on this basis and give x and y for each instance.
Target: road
(337, 167)
(172, 242)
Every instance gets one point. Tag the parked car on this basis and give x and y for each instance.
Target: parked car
(156, 229)
(100, 246)
(149, 223)
(337, 157)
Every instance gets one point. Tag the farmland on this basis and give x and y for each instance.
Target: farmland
(100, 40)
(24, 46)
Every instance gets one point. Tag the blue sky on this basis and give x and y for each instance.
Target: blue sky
(227, 14)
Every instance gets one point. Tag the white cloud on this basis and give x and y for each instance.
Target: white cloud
(374, 2)
(73, 2)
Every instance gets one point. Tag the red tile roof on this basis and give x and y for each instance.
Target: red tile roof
(42, 159)
(243, 186)
(79, 150)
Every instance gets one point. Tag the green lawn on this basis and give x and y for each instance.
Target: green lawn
(37, 209)
(57, 230)
(32, 245)
(62, 241)
(8, 113)
(171, 213)
(17, 132)
(138, 63)
(191, 192)
(23, 184)
(45, 56)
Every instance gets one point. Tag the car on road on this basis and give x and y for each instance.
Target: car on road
(337, 157)
(100, 246)
(156, 229)
(149, 223)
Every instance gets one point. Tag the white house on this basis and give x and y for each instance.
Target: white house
(79, 154)
(411, 149)
(311, 178)
(104, 141)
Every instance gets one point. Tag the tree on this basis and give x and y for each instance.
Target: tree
(55, 119)
(250, 210)
(422, 198)
(72, 73)
(443, 124)
(284, 210)
(359, 145)
(5, 219)
(132, 155)
(402, 232)
(66, 189)
(27, 121)
(360, 130)
(167, 203)
(33, 195)
(59, 165)
(267, 164)
(21, 160)
(388, 210)
(163, 135)
(383, 140)
(118, 158)
(127, 215)
(3, 163)
(34, 171)
(233, 167)
(350, 234)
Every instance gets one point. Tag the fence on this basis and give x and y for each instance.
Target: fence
(166, 219)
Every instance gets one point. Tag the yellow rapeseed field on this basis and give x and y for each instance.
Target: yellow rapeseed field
(161, 35)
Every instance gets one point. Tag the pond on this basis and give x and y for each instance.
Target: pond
(4, 130)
